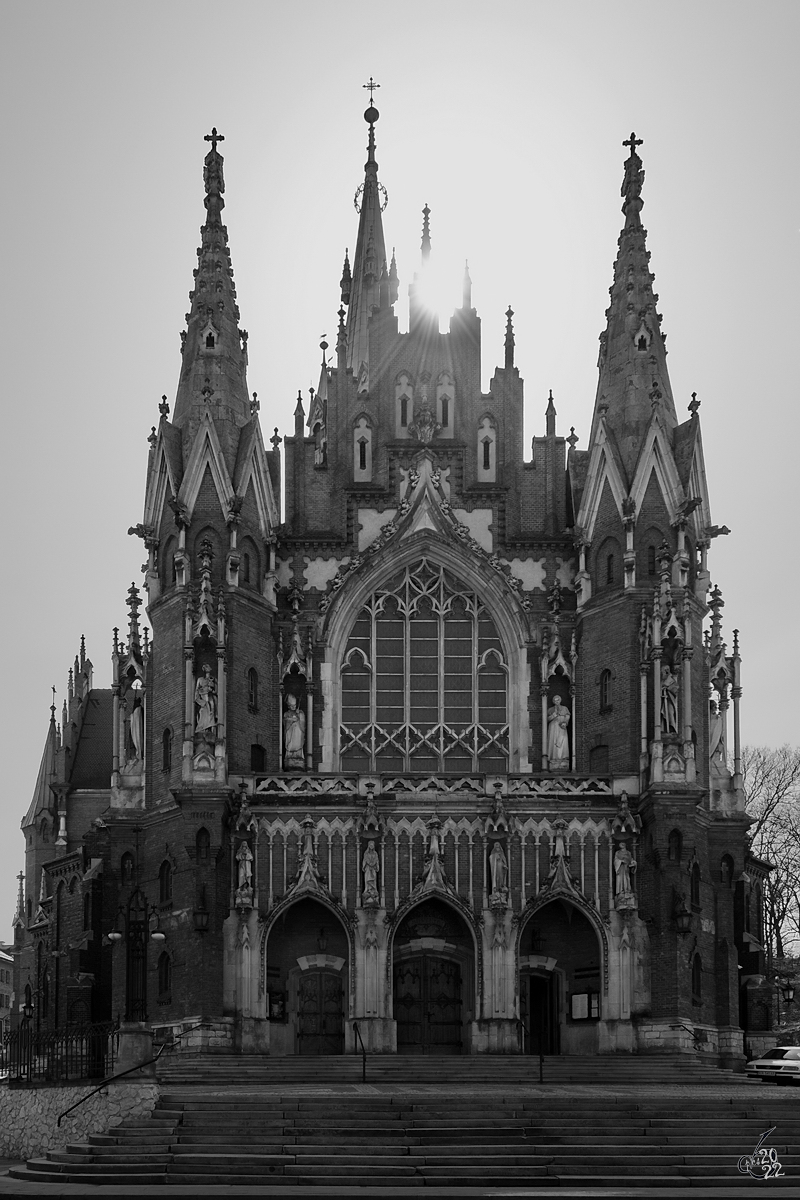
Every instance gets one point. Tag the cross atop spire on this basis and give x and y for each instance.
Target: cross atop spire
(371, 86)
(633, 142)
(214, 137)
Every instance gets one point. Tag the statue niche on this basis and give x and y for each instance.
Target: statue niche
(205, 705)
(558, 724)
(294, 723)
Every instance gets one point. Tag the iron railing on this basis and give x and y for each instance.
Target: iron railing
(528, 1049)
(357, 1032)
(28, 1055)
(170, 1045)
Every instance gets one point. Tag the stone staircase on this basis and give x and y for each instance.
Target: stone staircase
(353, 1138)
(223, 1069)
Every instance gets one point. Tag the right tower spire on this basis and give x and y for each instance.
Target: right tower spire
(633, 381)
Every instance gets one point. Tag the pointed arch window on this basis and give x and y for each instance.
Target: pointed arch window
(202, 844)
(166, 750)
(164, 978)
(424, 680)
(445, 396)
(651, 560)
(674, 846)
(487, 451)
(695, 887)
(126, 868)
(726, 871)
(697, 979)
(165, 883)
(362, 451)
(606, 694)
(403, 393)
(609, 568)
(252, 690)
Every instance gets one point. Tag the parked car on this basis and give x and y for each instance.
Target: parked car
(781, 1064)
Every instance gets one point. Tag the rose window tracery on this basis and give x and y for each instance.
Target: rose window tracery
(424, 679)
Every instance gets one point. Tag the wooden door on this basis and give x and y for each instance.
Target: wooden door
(320, 1012)
(427, 1005)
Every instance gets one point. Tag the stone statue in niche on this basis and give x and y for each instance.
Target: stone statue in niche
(557, 736)
(498, 864)
(669, 700)
(244, 861)
(370, 865)
(307, 873)
(294, 734)
(434, 874)
(137, 722)
(716, 741)
(205, 698)
(624, 866)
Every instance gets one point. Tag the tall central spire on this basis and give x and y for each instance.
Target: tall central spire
(633, 382)
(369, 259)
(213, 370)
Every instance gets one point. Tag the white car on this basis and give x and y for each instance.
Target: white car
(781, 1064)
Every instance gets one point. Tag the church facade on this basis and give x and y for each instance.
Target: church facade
(437, 744)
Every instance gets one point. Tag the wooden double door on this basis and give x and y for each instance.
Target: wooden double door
(427, 1005)
(320, 1012)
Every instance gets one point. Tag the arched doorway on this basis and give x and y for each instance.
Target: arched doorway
(307, 974)
(560, 973)
(433, 980)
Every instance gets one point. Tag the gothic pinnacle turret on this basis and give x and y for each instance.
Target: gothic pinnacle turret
(363, 292)
(213, 370)
(633, 382)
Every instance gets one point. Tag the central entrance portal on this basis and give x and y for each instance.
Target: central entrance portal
(433, 978)
(427, 1005)
(320, 1013)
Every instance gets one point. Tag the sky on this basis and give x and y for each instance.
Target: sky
(508, 121)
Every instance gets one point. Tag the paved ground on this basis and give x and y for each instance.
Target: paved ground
(723, 1093)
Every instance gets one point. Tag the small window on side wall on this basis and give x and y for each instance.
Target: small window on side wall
(726, 871)
(126, 868)
(674, 846)
(651, 560)
(202, 845)
(257, 759)
(252, 690)
(164, 977)
(609, 568)
(166, 750)
(697, 979)
(605, 691)
(165, 883)
(695, 886)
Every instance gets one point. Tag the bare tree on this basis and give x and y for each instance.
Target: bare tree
(772, 787)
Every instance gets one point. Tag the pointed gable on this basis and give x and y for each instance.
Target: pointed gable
(206, 456)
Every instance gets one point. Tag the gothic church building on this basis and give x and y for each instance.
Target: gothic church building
(427, 735)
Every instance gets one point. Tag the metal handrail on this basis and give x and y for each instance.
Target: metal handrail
(525, 1029)
(357, 1032)
(689, 1029)
(139, 1066)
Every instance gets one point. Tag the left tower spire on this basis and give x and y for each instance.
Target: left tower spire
(213, 374)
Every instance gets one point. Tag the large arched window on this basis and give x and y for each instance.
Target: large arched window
(424, 679)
